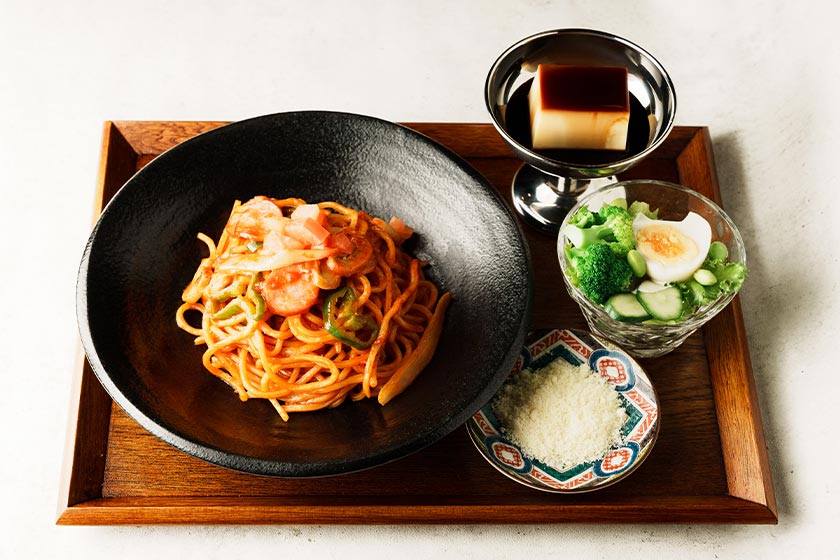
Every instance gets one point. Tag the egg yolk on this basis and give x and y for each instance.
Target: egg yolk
(665, 243)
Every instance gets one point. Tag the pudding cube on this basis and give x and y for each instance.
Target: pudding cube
(579, 108)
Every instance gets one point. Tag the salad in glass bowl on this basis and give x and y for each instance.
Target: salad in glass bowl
(649, 262)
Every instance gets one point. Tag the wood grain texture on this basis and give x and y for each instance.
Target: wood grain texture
(88, 429)
(708, 466)
(739, 419)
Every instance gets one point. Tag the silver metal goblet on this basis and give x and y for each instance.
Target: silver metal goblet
(549, 182)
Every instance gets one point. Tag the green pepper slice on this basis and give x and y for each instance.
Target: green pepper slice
(342, 321)
(256, 297)
(228, 311)
(233, 307)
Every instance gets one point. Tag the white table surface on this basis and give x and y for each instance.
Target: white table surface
(762, 75)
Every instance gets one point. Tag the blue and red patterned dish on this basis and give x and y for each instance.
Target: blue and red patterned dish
(636, 395)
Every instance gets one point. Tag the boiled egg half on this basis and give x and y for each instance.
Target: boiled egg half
(673, 251)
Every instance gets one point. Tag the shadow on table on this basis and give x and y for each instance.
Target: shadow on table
(766, 307)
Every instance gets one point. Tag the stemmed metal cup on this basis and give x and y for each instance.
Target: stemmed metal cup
(544, 189)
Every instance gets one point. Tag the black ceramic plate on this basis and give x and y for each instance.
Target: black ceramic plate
(143, 251)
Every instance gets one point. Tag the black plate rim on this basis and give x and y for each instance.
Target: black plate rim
(283, 469)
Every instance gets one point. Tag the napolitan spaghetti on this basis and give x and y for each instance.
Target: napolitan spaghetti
(307, 305)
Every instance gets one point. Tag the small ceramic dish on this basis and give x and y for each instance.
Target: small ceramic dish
(636, 395)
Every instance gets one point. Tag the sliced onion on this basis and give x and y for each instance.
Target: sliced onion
(261, 262)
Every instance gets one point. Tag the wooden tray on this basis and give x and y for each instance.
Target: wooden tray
(709, 466)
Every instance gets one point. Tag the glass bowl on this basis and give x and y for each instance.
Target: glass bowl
(647, 340)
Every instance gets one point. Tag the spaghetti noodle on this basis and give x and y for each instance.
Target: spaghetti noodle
(307, 305)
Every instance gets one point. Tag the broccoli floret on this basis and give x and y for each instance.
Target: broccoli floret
(583, 218)
(598, 271)
(613, 226)
(620, 222)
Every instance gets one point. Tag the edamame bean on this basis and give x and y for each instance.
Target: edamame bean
(637, 263)
(718, 251)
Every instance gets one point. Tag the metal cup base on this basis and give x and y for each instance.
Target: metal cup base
(543, 200)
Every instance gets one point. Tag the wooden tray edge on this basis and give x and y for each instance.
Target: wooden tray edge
(89, 402)
(752, 497)
(730, 366)
(282, 511)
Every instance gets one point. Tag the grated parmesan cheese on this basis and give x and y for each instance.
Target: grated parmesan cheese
(561, 415)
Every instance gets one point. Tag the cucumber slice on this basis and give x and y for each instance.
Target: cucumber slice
(648, 286)
(665, 305)
(625, 307)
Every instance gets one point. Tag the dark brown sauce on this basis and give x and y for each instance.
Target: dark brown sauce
(602, 88)
(518, 125)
